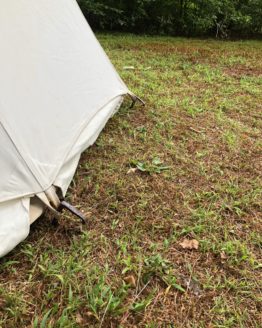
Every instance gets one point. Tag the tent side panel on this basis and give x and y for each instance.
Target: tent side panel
(54, 79)
(15, 175)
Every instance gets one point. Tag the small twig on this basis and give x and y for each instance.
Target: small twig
(194, 130)
(138, 277)
(100, 326)
(191, 274)
(141, 291)
(153, 305)
(126, 315)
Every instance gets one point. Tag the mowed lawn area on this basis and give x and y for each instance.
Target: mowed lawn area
(172, 194)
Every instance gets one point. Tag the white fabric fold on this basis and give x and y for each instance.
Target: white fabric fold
(14, 223)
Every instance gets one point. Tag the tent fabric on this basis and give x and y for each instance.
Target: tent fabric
(57, 91)
(85, 140)
(14, 223)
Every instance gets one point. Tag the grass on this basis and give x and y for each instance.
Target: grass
(187, 166)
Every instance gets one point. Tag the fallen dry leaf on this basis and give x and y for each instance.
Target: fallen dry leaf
(167, 290)
(132, 170)
(131, 280)
(79, 318)
(189, 244)
(223, 256)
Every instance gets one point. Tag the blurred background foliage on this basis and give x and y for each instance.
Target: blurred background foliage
(220, 18)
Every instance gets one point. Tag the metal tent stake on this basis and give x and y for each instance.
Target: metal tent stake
(73, 210)
(57, 204)
(135, 99)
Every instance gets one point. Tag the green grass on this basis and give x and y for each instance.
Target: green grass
(187, 166)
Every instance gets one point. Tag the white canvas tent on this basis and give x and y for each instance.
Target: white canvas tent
(57, 91)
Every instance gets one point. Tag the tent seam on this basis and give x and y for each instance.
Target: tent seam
(18, 149)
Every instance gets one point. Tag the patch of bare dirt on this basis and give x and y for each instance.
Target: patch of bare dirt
(239, 71)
